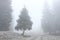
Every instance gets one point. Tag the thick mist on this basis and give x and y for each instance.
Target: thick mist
(35, 9)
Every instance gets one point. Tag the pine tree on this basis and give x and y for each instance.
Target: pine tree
(56, 11)
(5, 14)
(51, 18)
(45, 22)
(48, 19)
(24, 21)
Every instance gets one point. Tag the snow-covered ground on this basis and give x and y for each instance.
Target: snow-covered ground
(16, 36)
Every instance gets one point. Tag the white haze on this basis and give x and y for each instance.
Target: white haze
(34, 8)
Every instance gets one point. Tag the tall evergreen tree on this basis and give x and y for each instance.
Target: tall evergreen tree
(51, 18)
(56, 8)
(24, 21)
(48, 19)
(5, 14)
(45, 22)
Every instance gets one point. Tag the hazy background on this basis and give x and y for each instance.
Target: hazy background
(34, 8)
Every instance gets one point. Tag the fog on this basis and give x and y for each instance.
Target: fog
(30, 19)
(34, 8)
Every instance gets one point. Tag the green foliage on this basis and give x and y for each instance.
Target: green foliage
(24, 21)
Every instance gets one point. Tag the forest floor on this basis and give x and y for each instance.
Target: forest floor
(15, 36)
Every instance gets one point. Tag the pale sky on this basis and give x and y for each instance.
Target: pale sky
(34, 8)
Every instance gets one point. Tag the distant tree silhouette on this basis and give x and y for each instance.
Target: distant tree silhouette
(56, 11)
(24, 21)
(5, 14)
(46, 21)
(51, 18)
